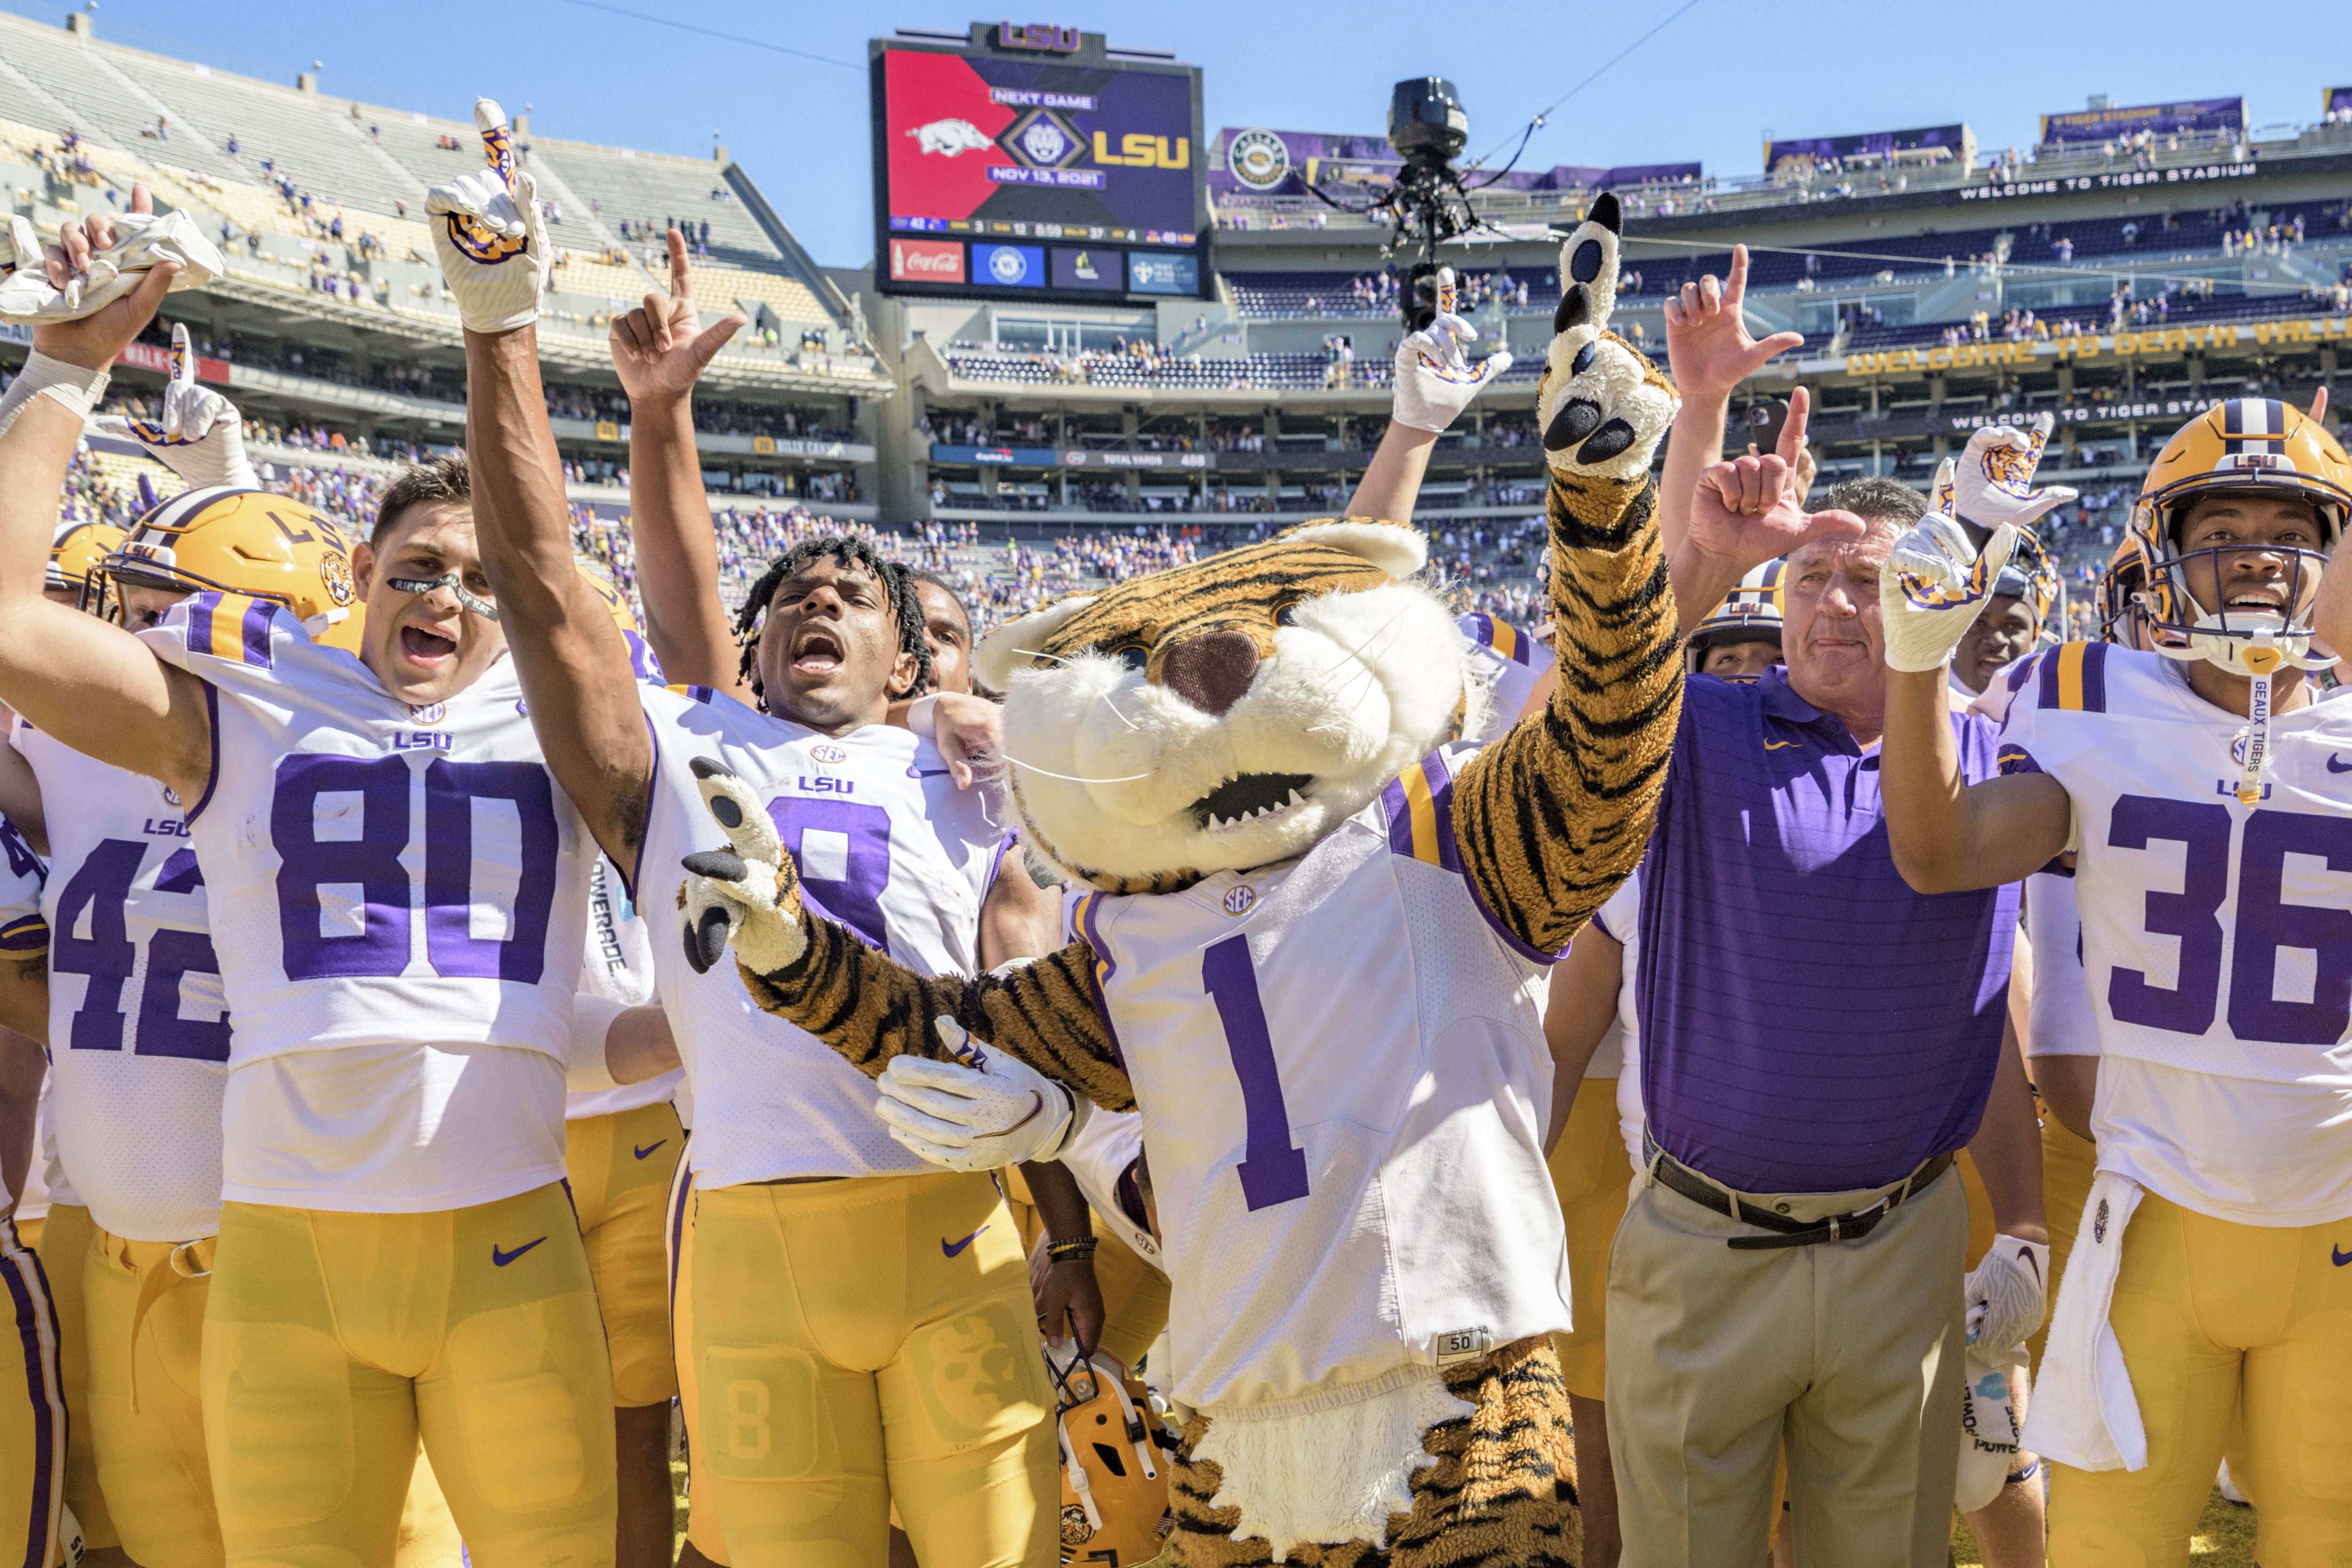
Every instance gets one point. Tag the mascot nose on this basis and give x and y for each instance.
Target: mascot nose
(1211, 671)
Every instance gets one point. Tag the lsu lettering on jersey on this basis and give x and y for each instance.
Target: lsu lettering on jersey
(886, 844)
(377, 873)
(619, 967)
(138, 1029)
(2216, 939)
(1342, 1075)
(1513, 663)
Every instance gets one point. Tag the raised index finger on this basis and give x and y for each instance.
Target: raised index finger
(184, 363)
(680, 273)
(1735, 285)
(1792, 430)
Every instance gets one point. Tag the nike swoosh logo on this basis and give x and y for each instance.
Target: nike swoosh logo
(2337, 765)
(649, 1149)
(2337, 1257)
(501, 1259)
(955, 1248)
(1781, 745)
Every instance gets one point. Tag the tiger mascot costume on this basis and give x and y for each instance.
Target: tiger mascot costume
(1310, 934)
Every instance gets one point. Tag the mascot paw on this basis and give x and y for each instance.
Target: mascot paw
(747, 895)
(1601, 405)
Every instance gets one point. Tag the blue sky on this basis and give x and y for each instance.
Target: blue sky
(1705, 87)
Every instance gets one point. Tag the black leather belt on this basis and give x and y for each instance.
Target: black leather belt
(1677, 1177)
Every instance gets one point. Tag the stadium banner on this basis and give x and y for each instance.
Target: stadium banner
(2335, 98)
(1249, 161)
(2205, 114)
(2012, 190)
(2279, 331)
(1069, 457)
(1006, 146)
(1928, 144)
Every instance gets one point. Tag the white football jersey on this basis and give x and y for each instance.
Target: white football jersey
(1342, 1074)
(886, 844)
(2216, 939)
(619, 967)
(1513, 663)
(1621, 917)
(378, 873)
(138, 1029)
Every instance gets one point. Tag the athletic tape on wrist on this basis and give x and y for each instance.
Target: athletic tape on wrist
(70, 385)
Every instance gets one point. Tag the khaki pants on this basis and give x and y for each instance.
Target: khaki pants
(1847, 1353)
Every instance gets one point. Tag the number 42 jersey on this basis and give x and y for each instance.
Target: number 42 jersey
(379, 873)
(2216, 939)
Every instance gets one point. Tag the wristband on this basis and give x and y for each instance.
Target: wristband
(69, 384)
(1076, 1248)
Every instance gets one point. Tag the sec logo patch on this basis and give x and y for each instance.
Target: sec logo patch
(1239, 900)
(828, 753)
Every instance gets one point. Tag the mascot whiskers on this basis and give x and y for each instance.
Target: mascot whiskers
(1308, 936)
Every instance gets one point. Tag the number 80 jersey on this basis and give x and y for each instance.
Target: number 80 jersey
(379, 873)
(2216, 939)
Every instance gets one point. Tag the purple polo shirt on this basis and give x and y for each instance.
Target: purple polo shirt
(1808, 1023)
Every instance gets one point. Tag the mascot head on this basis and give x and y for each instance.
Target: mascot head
(1227, 714)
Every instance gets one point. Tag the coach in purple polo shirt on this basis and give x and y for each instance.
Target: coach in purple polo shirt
(1817, 1043)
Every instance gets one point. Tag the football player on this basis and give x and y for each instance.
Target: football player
(2195, 785)
(831, 1270)
(1739, 640)
(33, 1519)
(401, 892)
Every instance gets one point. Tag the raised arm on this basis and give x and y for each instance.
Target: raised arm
(1947, 834)
(573, 664)
(1434, 381)
(1741, 513)
(659, 351)
(1549, 819)
(1710, 352)
(90, 683)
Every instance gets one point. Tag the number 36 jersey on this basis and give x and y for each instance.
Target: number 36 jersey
(2216, 939)
(379, 874)
(886, 844)
(1343, 1079)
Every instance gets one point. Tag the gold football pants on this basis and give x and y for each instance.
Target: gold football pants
(331, 1342)
(63, 1241)
(32, 1410)
(620, 1168)
(867, 1343)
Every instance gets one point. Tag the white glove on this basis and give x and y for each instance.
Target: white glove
(200, 437)
(1990, 483)
(1933, 587)
(984, 1114)
(1434, 379)
(738, 897)
(1602, 407)
(2007, 1294)
(491, 234)
(142, 242)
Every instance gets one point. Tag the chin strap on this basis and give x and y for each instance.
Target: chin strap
(2263, 660)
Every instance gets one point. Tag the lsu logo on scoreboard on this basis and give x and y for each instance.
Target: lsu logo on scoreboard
(1141, 150)
(1042, 36)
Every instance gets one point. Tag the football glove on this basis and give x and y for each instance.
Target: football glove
(200, 436)
(142, 242)
(1990, 483)
(746, 897)
(1602, 412)
(492, 234)
(983, 1112)
(1933, 587)
(1434, 379)
(2007, 1294)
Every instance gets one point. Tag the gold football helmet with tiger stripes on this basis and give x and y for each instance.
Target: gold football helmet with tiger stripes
(2256, 446)
(1751, 612)
(254, 542)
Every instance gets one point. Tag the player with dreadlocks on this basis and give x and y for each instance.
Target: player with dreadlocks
(848, 553)
(823, 1390)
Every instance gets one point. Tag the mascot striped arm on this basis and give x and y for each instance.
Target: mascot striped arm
(1310, 931)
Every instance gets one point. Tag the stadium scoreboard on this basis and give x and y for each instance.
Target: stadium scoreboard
(1029, 162)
